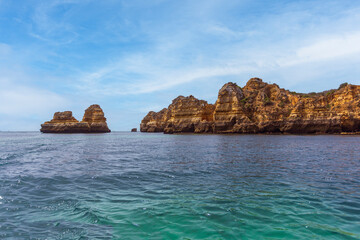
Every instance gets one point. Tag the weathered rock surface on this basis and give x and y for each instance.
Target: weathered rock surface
(185, 114)
(94, 116)
(64, 122)
(260, 107)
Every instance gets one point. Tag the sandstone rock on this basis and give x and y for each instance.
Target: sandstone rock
(154, 122)
(184, 114)
(260, 107)
(94, 116)
(64, 122)
(134, 130)
(229, 108)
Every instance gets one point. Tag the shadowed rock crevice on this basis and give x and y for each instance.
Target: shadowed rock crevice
(93, 121)
(260, 107)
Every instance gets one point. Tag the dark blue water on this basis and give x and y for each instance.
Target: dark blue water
(155, 186)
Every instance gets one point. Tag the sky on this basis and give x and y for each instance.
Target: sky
(133, 56)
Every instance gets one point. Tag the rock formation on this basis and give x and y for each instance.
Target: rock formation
(185, 114)
(260, 107)
(134, 130)
(94, 116)
(64, 122)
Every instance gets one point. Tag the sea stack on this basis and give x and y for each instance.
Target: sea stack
(134, 130)
(259, 107)
(93, 121)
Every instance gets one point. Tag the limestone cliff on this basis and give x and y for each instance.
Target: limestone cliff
(94, 116)
(260, 107)
(64, 122)
(184, 114)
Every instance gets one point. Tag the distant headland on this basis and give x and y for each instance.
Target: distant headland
(64, 122)
(259, 107)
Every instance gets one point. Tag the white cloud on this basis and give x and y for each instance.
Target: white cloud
(328, 48)
(226, 32)
(153, 73)
(25, 108)
(193, 48)
(5, 49)
(119, 48)
(19, 96)
(23, 100)
(152, 76)
(54, 30)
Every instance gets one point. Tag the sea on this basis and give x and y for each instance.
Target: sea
(155, 186)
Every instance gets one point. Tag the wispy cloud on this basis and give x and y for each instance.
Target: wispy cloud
(23, 100)
(329, 48)
(162, 80)
(25, 107)
(51, 22)
(5, 50)
(211, 47)
(227, 33)
(141, 74)
(136, 51)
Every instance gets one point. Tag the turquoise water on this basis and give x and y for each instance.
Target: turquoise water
(156, 186)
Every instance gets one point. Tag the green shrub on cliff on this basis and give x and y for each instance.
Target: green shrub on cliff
(267, 100)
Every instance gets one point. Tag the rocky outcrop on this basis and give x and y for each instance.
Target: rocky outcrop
(64, 122)
(94, 116)
(134, 130)
(184, 114)
(260, 107)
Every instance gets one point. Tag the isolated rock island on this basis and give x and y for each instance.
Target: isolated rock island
(64, 122)
(260, 107)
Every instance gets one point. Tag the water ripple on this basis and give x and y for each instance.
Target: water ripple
(155, 186)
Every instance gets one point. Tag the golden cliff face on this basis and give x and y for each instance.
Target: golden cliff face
(94, 116)
(184, 114)
(64, 122)
(261, 108)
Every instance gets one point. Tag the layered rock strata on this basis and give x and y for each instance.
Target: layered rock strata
(260, 107)
(64, 122)
(184, 114)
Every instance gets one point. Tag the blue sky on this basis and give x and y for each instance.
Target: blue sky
(135, 56)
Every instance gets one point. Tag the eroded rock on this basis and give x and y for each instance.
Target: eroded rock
(94, 116)
(64, 122)
(260, 107)
(184, 114)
